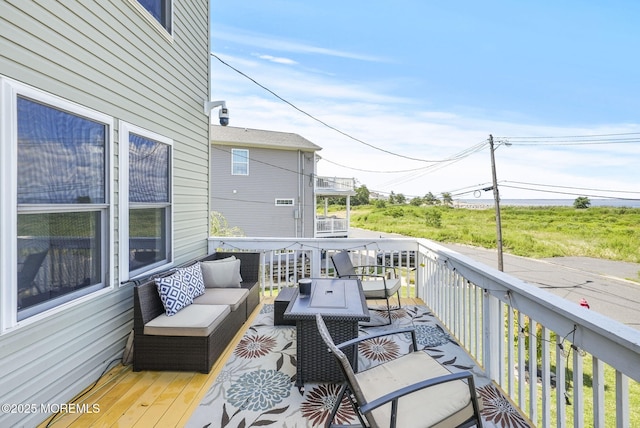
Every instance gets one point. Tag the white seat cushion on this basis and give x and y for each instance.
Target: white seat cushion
(194, 320)
(374, 288)
(441, 401)
(232, 297)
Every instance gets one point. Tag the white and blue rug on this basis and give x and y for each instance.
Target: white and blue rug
(256, 387)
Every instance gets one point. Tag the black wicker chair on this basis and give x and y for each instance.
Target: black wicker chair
(413, 390)
(378, 281)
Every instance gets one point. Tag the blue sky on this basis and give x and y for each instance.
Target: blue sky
(416, 87)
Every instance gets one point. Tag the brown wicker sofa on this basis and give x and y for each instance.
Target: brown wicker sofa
(193, 349)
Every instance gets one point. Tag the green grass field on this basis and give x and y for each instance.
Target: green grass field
(607, 233)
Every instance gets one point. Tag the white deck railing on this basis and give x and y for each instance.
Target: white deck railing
(340, 184)
(492, 315)
(331, 226)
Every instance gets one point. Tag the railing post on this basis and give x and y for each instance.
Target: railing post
(622, 400)
(316, 263)
(491, 339)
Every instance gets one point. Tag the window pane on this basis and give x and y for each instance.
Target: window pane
(58, 254)
(148, 170)
(239, 162)
(159, 9)
(61, 156)
(147, 237)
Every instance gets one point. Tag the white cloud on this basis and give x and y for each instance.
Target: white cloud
(277, 60)
(268, 42)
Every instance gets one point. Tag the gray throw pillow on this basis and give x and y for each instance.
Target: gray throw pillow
(223, 273)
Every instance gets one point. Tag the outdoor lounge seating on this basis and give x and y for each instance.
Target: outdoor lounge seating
(195, 336)
(378, 281)
(413, 390)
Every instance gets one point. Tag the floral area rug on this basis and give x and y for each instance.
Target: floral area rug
(256, 387)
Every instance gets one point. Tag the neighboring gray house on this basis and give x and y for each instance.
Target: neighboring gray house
(263, 181)
(104, 149)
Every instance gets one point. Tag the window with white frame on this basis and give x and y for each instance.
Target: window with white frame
(160, 10)
(56, 214)
(239, 162)
(146, 207)
(286, 202)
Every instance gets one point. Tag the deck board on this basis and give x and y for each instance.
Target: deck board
(149, 398)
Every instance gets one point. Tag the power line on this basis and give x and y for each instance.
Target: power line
(317, 119)
(541, 188)
(370, 170)
(578, 188)
(571, 140)
(571, 193)
(431, 168)
(576, 136)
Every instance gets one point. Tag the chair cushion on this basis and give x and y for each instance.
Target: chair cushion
(449, 404)
(194, 320)
(233, 297)
(374, 288)
(221, 273)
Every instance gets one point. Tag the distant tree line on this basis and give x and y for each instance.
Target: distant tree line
(363, 197)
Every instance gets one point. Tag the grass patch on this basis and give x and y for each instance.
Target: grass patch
(537, 232)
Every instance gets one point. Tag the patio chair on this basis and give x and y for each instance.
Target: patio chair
(413, 390)
(378, 281)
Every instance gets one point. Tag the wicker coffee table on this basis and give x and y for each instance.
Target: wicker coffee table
(342, 305)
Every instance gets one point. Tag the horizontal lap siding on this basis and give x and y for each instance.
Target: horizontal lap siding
(106, 56)
(272, 174)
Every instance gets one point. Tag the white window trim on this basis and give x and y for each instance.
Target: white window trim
(9, 91)
(153, 21)
(124, 129)
(232, 162)
(289, 202)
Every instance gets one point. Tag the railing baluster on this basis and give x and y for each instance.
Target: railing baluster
(622, 400)
(597, 382)
(521, 361)
(578, 390)
(501, 334)
(561, 390)
(546, 377)
(510, 351)
(533, 372)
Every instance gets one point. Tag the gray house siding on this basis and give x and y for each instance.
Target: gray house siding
(248, 202)
(108, 57)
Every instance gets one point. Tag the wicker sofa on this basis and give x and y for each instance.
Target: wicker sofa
(193, 348)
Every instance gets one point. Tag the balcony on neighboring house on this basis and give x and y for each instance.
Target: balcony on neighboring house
(333, 226)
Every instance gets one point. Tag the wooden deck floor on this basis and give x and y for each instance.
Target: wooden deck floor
(150, 399)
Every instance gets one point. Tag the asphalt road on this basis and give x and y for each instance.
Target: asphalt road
(607, 286)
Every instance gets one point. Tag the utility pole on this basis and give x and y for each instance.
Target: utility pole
(496, 197)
